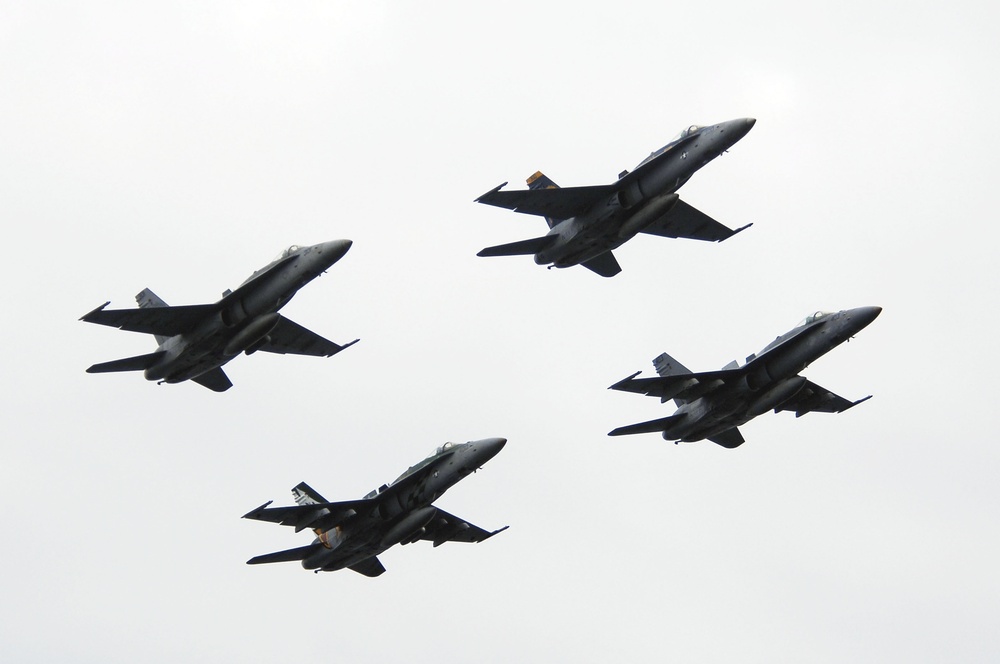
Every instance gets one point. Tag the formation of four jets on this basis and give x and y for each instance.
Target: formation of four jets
(585, 225)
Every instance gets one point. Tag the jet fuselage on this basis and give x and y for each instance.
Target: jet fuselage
(399, 516)
(245, 316)
(641, 197)
(769, 379)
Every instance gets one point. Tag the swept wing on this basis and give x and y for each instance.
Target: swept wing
(560, 203)
(319, 515)
(446, 527)
(813, 398)
(163, 321)
(290, 337)
(683, 220)
(678, 386)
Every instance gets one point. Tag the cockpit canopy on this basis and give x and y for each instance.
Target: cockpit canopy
(286, 253)
(812, 318)
(684, 134)
(444, 448)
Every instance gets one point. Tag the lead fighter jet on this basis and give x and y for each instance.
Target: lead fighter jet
(586, 223)
(195, 341)
(351, 534)
(712, 404)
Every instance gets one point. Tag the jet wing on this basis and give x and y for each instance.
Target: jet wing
(678, 386)
(290, 337)
(319, 515)
(163, 321)
(561, 203)
(813, 398)
(682, 220)
(446, 527)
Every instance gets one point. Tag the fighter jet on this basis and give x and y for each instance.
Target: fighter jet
(351, 534)
(586, 223)
(714, 403)
(195, 341)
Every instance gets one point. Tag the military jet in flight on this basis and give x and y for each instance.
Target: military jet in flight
(351, 534)
(586, 223)
(714, 403)
(195, 341)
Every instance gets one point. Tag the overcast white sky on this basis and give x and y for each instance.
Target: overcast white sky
(179, 146)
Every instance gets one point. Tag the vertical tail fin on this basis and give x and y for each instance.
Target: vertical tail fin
(542, 181)
(668, 366)
(147, 299)
(306, 495)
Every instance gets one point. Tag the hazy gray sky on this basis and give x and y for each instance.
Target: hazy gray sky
(179, 146)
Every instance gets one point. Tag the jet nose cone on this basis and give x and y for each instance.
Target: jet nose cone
(333, 251)
(488, 448)
(863, 316)
(734, 130)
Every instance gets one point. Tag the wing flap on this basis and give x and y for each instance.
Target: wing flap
(215, 380)
(730, 438)
(604, 264)
(162, 321)
(685, 221)
(446, 527)
(288, 337)
(556, 203)
(369, 567)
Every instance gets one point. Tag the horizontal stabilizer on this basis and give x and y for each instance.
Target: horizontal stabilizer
(137, 363)
(522, 248)
(283, 556)
(653, 426)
